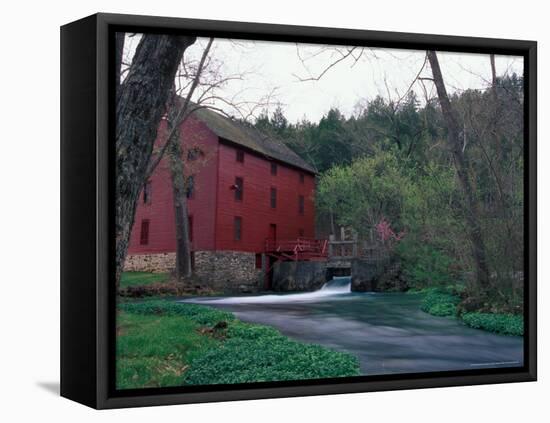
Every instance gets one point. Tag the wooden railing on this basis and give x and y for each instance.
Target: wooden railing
(354, 248)
(297, 249)
(310, 248)
(342, 250)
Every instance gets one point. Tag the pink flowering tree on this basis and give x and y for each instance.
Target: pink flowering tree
(387, 235)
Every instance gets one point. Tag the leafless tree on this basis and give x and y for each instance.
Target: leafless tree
(456, 139)
(141, 100)
(471, 207)
(198, 85)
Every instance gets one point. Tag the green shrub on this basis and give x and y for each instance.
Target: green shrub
(258, 354)
(197, 313)
(424, 265)
(439, 303)
(505, 324)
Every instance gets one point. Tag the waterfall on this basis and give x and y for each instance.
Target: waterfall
(338, 284)
(336, 287)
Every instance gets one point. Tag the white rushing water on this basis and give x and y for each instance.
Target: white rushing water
(336, 287)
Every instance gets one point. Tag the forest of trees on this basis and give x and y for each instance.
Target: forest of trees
(435, 184)
(392, 163)
(444, 175)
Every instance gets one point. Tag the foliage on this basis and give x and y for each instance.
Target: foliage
(366, 192)
(440, 303)
(386, 233)
(128, 279)
(155, 350)
(196, 313)
(443, 302)
(505, 324)
(257, 354)
(276, 124)
(162, 343)
(391, 161)
(424, 265)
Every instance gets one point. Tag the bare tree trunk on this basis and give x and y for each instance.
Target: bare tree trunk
(119, 49)
(141, 104)
(493, 70)
(471, 207)
(511, 242)
(179, 193)
(495, 135)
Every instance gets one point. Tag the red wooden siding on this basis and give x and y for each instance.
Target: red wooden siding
(255, 208)
(213, 205)
(202, 204)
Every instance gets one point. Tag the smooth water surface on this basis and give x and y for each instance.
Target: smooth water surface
(387, 332)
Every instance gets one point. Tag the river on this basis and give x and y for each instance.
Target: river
(387, 332)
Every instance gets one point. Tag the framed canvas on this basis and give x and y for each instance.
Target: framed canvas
(257, 211)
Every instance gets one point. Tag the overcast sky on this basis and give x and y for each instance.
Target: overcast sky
(279, 68)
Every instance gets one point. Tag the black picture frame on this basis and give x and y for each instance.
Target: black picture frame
(87, 291)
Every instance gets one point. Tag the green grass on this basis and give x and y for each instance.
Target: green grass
(128, 279)
(155, 351)
(505, 324)
(163, 343)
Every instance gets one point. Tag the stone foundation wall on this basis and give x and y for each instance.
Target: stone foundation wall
(365, 274)
(377, 275)
(228, 271)
(156, 263)
(299, 275)
(393, 279)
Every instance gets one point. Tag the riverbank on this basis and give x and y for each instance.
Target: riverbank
(146, 284)
(163, 343)
(445, 303)
(440, 302)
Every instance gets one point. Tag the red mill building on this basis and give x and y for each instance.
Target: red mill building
(246, 191)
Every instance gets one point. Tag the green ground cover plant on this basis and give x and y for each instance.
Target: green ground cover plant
(443, 303)
(163, 343)
(505, 324)
(254, 353)
(439, 303)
